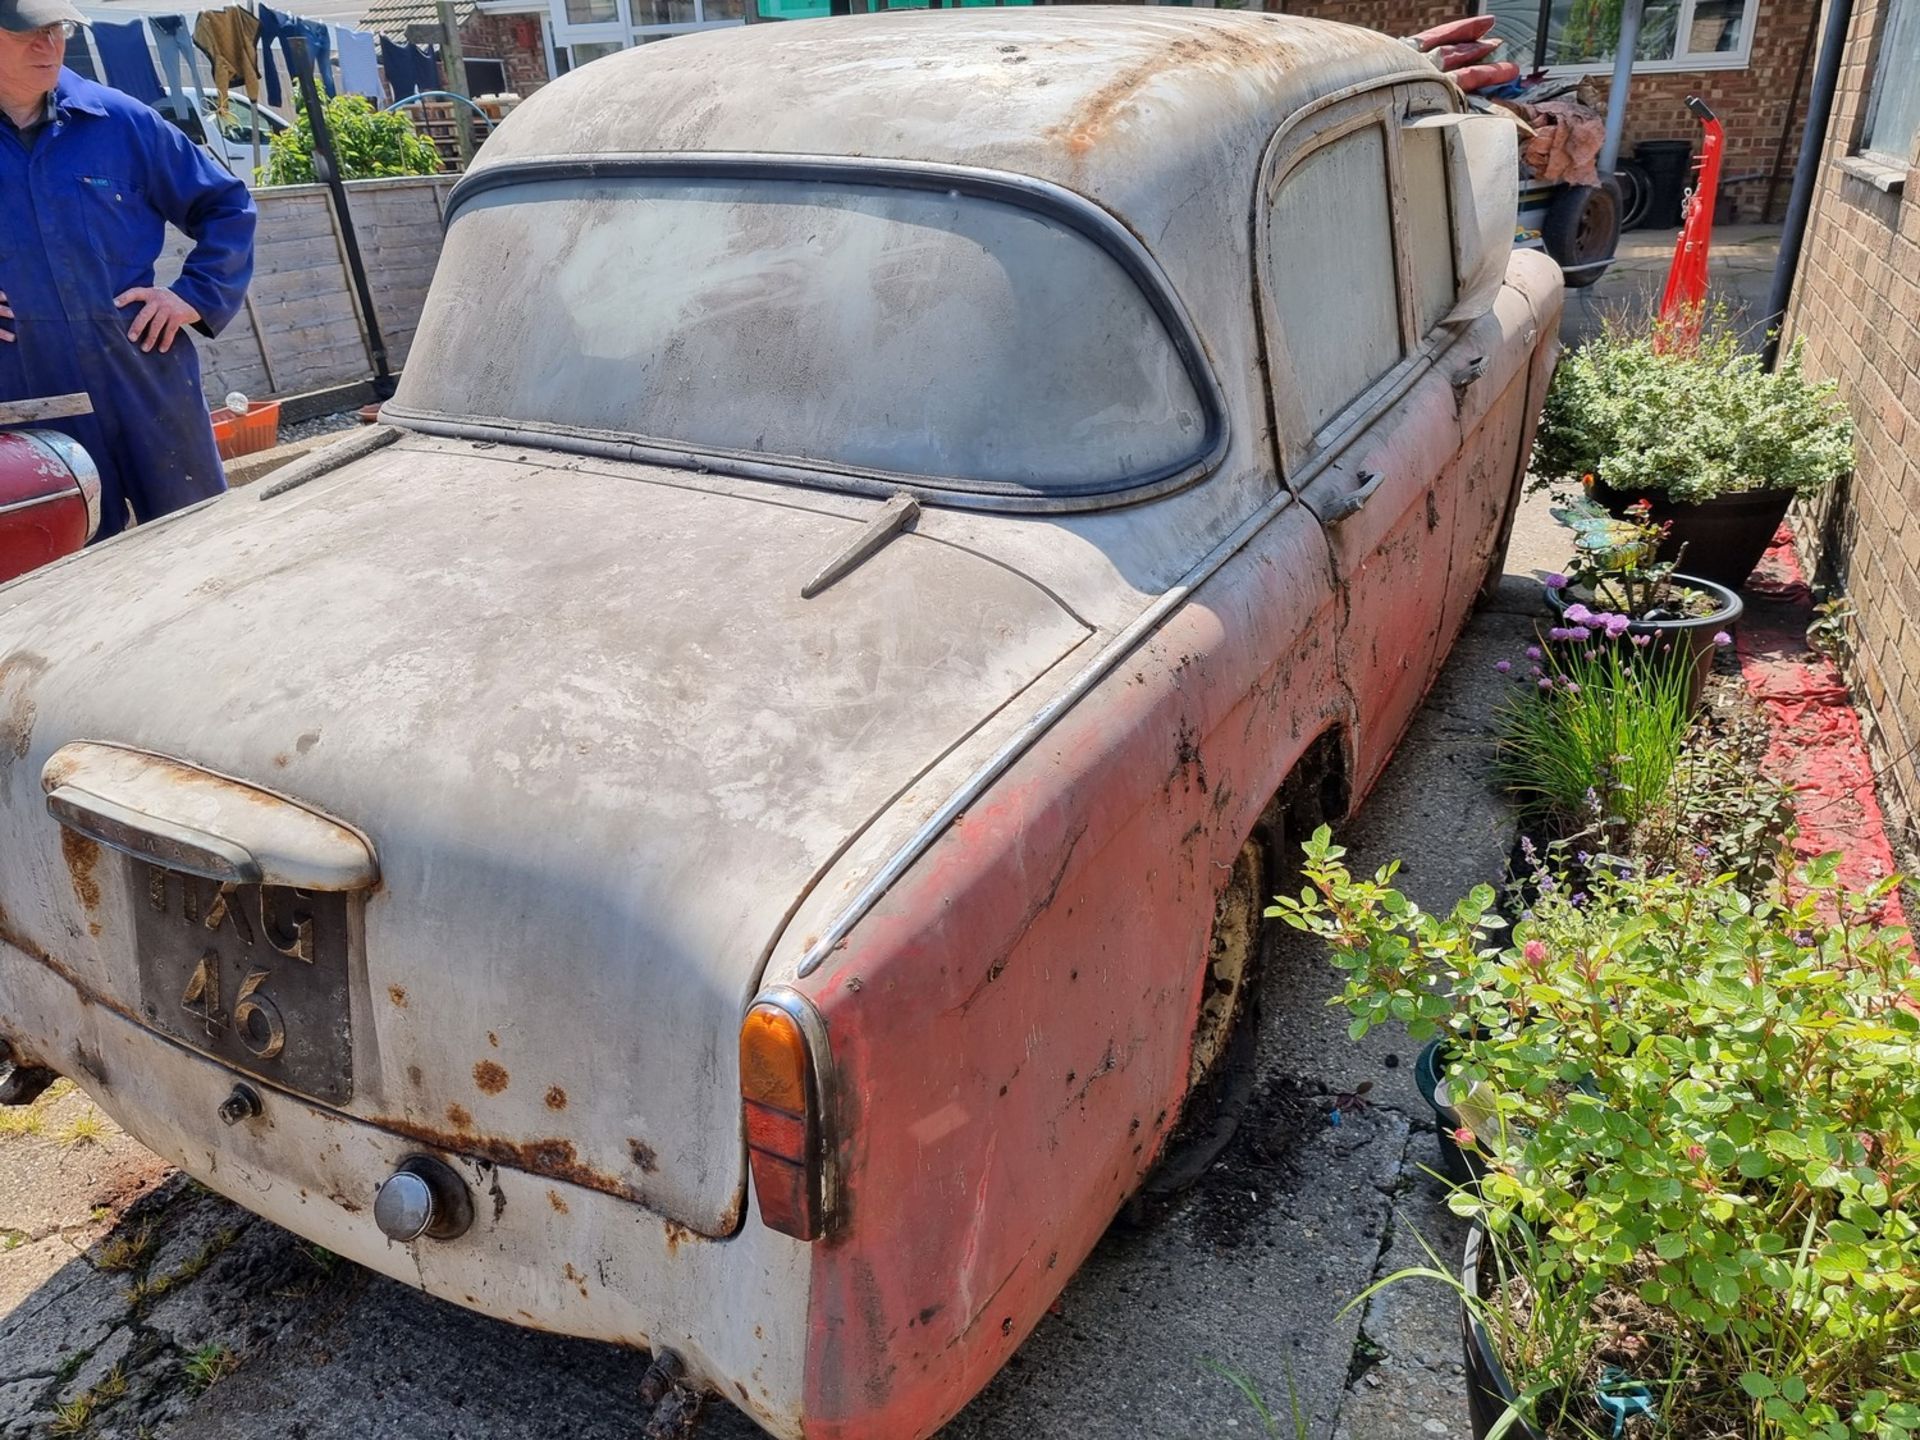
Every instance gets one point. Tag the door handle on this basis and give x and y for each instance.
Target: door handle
(1351, 502)
(1468, 373)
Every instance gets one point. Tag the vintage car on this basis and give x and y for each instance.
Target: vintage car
(49, 495)
(735, 821)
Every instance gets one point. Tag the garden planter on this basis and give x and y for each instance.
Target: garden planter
(1693, 636)
(1725, 536)
(1489, 1391)
(1462, 1169)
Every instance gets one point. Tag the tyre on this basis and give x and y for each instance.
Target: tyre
(1582, 230)
(1636, 194)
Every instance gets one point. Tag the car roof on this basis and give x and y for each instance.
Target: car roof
(1125, 104)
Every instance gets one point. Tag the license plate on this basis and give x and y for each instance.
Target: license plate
(254, 976)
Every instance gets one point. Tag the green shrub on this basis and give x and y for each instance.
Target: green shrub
(1694, 422)
(369, 143)
(1702, 1118)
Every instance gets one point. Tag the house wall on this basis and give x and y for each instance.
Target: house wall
(514, 40)
(1856, 304)
(1753, 103)
(301, 329)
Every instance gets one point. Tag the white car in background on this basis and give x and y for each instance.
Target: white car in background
(228, 137)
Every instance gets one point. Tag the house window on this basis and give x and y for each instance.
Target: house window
(1331, 258)
(1893, 104)
(1582, 35)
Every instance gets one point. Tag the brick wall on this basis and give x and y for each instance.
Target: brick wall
(1752, 103)
(514, 40)
(1857, 304)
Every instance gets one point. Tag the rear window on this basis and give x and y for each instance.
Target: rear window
(947, 337)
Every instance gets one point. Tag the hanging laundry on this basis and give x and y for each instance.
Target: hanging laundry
(359, 63)
(320, 47)
(227, 38)
(426, 67)
(79, 58)
(402, 67)
(179, 65)
(274, 26)
(127, 61)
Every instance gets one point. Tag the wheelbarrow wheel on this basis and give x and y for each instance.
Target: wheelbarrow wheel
(1582, 230)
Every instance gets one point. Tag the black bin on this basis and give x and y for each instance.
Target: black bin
(1669, 167)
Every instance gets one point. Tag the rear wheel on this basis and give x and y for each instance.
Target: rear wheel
(1582, 230)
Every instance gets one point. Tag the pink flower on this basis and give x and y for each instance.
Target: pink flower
(1579, 632)
(1722, 638)
(1465, 1138)
(1533, 652)
(1503, 666)
(1617, 626)
(1559, 633)
(1556, 581)
(1578, 613)
(1546, 684)
(1696, 1153)
(1643, 640)
(1536, 953)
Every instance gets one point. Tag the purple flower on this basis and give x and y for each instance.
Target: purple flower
(1701, 852)
(1533, 652)
(1546, 684)
(1643, 640)
(1503, 666)
(1722, 638)
(1557, 633)
(1578, 613)
(1536, 670)
(1579, 632)
(1556, 582)
(1572, 689)
(1617, 626)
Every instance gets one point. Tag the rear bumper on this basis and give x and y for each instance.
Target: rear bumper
(541, 1253)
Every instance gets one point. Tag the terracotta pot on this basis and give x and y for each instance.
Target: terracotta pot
(1724, 537)
(1489, 1391)
(1693, 636)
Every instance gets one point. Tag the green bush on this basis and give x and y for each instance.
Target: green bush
(370, 143)
(1702, 1118)
(1694, 423)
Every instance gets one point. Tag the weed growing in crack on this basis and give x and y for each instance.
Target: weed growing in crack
(208, 1366)
(127, 1251)
(1268, 1424)
(24, 1121)
(89, 1127)
(74, 1417)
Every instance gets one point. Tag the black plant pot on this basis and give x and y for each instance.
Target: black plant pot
(1489, 1392)
(1462, 1168)
(1693, 637)
(1725, 536)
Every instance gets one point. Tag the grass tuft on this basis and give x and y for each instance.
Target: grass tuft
(89, 1127)
(127, 1251)
(208, 1366)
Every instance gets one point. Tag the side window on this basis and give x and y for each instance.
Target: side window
(1429, 226)
(1331, 272)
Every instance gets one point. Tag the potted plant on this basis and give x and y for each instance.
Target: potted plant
(1713, 443)
(1700, 1215)
(1623, 586)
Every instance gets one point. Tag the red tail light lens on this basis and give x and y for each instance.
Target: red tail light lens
(780, 1097)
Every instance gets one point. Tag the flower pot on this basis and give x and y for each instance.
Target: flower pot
(1489, 1392)
(1462, 1169)
(1693, 636)
(1725, 536)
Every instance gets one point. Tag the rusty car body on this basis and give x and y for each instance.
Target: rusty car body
(761, 770)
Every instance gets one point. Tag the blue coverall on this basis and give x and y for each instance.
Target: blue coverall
(83, 214)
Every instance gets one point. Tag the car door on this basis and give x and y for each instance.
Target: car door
(1361, 332)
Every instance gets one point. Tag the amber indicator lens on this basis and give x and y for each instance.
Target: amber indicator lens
(777, 1095)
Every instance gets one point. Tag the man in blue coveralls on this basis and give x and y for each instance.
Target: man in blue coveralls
(89, 178)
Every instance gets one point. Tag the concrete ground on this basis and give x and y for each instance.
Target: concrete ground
(134, 1304)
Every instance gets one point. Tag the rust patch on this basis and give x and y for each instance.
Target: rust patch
(556, 1098)
(553, 1199)
(280, 760)
(554, 1159)
(576, 1277)
(643, 1156)
(1096, 116)
(398, 995)
(459, 1117)
(490, 1077)
(677, 1235)
(81, 855)
(414, 1076)
(493, 1040)
(17, 714)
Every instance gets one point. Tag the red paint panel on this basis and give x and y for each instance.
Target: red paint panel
(1016, 1048)
(42, 512)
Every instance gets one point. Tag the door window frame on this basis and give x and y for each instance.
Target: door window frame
(1300, 451)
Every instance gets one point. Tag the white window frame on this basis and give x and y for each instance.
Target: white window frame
(1686, 63)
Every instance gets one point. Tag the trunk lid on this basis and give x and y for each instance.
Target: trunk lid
(597, 742)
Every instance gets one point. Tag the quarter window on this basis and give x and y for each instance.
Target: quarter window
(1585, 34)
(1330, 260)
(1429, 225)
(1893, 105)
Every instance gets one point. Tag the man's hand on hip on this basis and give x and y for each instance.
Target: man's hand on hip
(6, 313)
(162, 313)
